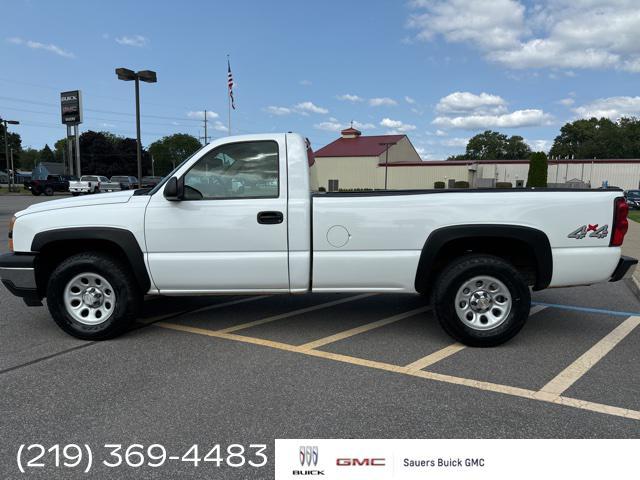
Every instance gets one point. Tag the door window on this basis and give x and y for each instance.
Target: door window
(236, 170)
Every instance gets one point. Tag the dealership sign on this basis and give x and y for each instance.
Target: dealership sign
(71, 107)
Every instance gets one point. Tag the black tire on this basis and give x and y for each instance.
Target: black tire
(75, 194)
(48, 191)
(466, 268)
(127, 292)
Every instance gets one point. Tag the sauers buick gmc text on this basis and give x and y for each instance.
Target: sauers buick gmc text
(243, 216)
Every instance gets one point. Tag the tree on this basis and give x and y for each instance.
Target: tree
(491, 145)
(598, 138)
(538, 165)
(29, 158)
(46, 154)
(169, 151)
(102, 153)
(15, 143)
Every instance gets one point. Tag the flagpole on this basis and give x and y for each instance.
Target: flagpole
(229, 105)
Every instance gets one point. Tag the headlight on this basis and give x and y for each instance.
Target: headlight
(11, 223)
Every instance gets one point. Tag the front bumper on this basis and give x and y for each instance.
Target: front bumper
(625, 268)
(17, 272)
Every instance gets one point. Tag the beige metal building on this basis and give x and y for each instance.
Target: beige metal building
(354, 161)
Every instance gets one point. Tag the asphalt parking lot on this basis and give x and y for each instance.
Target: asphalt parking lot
(252, 369)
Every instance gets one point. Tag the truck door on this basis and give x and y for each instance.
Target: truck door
(229, 232)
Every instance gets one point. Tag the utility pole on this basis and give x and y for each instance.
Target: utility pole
(6, 143)
(206, 137)
(386, 162)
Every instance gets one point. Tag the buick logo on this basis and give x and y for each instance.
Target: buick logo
(308, 456)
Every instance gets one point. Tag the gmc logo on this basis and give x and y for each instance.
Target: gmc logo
(361, 462)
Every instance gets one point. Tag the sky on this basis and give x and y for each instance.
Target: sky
(438, 70)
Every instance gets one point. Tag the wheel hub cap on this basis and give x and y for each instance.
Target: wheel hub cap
(89, 298)
(483, 302)
(92, 297)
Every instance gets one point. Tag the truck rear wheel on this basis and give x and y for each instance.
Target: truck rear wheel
(48, 191)
(481, 300)
(93, 296)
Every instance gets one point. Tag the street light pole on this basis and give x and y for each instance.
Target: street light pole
(386, 162)
(139, 149)
(6, 146)
(148, 76)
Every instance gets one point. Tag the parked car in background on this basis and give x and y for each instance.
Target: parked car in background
(633, 199)
(150, 182)
(126, 182)
(110, 186)
(87, 184)
(53, 183)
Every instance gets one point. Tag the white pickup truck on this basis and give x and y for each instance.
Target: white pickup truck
(243, 216)
(88, 184)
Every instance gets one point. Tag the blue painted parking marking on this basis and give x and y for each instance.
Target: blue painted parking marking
(588, 309)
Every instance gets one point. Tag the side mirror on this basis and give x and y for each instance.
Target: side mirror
(174, 189)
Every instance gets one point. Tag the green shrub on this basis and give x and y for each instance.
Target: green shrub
(504, 185)
(538, 166)
(438, 185)
(461, 184)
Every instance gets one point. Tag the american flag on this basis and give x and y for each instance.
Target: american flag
(230, 83)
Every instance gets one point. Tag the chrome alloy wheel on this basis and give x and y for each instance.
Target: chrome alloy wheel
(483, 302)
(89, 298)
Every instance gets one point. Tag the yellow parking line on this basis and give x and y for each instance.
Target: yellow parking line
(438, 377)
(435, 357)
(361, 329)
(452, 349)
(293, 313)
(582, 365)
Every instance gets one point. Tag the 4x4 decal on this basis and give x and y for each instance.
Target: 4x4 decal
(596, 232)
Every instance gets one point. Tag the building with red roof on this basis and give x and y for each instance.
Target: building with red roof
(351, 161)
(359, 162)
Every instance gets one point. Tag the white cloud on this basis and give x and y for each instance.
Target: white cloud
(455, 142)
(382, 102)
(409, 100)
(306, 83)
(441, 133)
(519, 118)
(333, 125)
(133, 40)
(563, 34)
(464, 102)
(219, 126)
(49, 47)
(329, 126)
(397, 126)
(350, 98)
(274, 110)
(490, 24)
(612, 107)
(567, 102)
(363, 126)
(309, 107)
(539, 145)
(200, 114)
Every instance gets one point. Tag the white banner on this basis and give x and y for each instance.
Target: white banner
(457, 459)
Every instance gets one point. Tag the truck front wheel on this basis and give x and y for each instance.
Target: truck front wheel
(481, 300)
(93, 296)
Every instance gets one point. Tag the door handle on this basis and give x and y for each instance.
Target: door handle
(270, 218)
